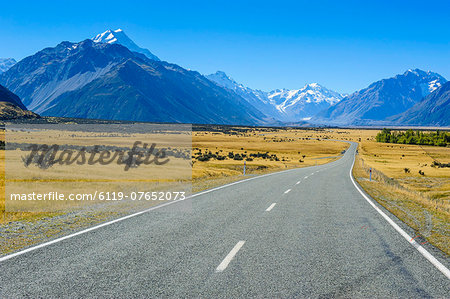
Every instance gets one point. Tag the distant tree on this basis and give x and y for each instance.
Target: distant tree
(437, 138)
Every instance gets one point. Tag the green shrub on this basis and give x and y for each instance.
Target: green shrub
(437, 138)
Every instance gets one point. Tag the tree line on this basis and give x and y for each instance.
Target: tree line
(438, 138)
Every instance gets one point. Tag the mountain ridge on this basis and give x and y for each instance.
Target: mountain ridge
(255, 97)
(433, 110)
(69, 72)
(108, 81)
(381, 99)
(304, 103)
(11, 106)
(282, 104)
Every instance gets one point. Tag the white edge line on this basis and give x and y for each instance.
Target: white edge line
(405, 235)
(271, 207)
(224, 264)
(287, 191)
(7, 257)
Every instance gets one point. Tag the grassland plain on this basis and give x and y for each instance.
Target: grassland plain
(219, 154)
(263, 150)
(405, 182)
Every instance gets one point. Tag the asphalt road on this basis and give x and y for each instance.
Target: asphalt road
(251, 239)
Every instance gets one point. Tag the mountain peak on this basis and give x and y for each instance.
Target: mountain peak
(429, 81)
(118, 36)
(413, 71)
(103, 80)
(223, 80)
(282, 104)
(383, 99)
(313, 86)
(223, 75)
(303, 103)
(422, 73)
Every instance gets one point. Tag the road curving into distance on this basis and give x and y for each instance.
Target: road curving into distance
(307, 232)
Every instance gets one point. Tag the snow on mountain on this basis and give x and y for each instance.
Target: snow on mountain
(108, 81)
(383, 99)
(118, 36)
(6, 64)
(303, 103)
(433, 85)
(283, 104)
(433, 110)
(429, 86)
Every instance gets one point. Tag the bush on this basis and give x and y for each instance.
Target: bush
(440, 165)
(238, 157)
(203, 158)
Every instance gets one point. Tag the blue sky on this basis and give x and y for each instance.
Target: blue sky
(343, 45)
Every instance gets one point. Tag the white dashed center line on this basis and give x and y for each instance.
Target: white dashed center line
(287, 191)
(297, 183)
(224, 264)
(271, 207)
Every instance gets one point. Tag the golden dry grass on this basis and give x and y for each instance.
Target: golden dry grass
(410, 196)
(392, 159)
(289, 145)
(421, 201)
(294, 148)
(80, 178)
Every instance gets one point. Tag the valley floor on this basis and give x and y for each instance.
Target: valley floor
(218, 157)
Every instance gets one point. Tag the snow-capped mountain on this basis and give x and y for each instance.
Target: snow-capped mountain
(303, 103)
(430, 81)
(283, 104)
(119, 37)
(108, 81)
(382, 99)
(6, 64)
